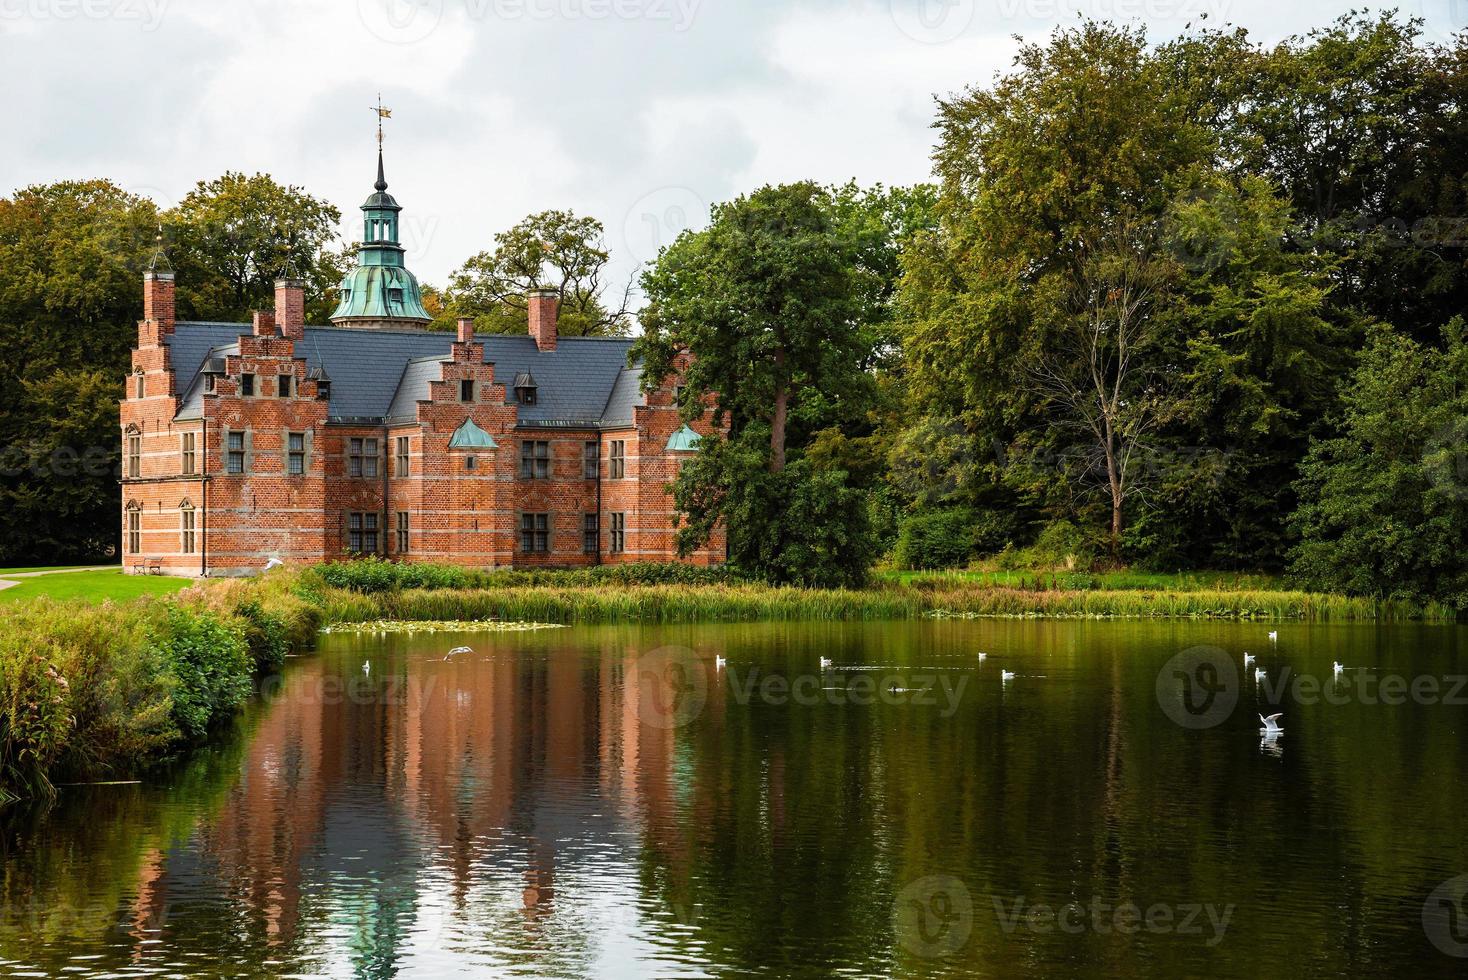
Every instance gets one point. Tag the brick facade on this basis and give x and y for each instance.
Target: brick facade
(217, 480)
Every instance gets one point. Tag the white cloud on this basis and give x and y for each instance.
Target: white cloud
(639, 112)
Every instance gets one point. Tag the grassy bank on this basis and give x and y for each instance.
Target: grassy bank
(91, 692)
(90, 586)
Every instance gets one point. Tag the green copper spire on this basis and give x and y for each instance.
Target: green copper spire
(380, 292)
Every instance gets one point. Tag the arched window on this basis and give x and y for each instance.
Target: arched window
(134, 452)
(186, 525)
(134, 528)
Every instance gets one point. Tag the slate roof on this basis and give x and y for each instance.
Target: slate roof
(382, 374)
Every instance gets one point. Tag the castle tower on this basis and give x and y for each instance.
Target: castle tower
(380, 293)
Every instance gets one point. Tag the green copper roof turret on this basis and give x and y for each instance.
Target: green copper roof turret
(471, 436)
(380, 289)
(685, 440)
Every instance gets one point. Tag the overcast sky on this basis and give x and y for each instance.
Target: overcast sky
(638, 112)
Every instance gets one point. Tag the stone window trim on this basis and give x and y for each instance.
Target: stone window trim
(188, 527)
(591, 460)
(401, 532)
(617, 460)
(590, 534)
(361, 530)
(298, 447)
(618, 539)
(188, 453)
(247, 385)
(402, 457)
(134, 528)
(133, 437)
(535, 459)
(363, 461)
(535, 534)
(238, 450)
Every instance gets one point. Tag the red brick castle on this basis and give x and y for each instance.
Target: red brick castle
(244, 443)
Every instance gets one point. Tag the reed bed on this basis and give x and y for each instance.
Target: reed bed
(751, 602)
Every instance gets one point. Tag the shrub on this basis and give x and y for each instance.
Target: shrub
(265, 636)
(82, 691)
(936, 539)
(212, 664)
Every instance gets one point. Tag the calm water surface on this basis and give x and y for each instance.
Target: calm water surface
(605, 802)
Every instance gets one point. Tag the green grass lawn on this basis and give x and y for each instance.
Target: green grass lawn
(1099, 581)
(46, 568)
(93, 586)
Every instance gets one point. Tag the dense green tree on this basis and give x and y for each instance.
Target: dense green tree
(230, 238)
(1384, 501)
(782, 318)
(552, 249)
(1106, 303)
(73, 254)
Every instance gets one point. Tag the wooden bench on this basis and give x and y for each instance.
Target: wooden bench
(155, 566)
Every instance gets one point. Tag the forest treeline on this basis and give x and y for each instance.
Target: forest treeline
(1175, 305)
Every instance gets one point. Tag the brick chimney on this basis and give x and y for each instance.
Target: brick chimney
(466, 330)
(158, 299)
(544, 309)
(290, 308)
(264, 323)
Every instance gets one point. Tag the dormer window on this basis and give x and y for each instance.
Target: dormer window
(525, 388)
(395, 295)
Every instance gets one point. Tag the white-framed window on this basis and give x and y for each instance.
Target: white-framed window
(295, 460)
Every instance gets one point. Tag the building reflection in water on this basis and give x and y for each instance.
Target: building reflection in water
(434, 804)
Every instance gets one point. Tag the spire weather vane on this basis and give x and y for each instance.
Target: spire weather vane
(382, 113)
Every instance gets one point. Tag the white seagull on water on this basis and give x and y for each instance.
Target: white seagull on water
(1006, 675)
(1271, 724)
(366, 667)
(1259, 673)
(719, 662)
(1274, 636)
(1248, 659)
(983, 657)
(1339, 667)
(825, 662)
(456, 651)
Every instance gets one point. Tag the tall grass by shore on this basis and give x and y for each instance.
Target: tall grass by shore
(104, 691)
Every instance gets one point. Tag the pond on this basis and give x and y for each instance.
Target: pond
(616, 801)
